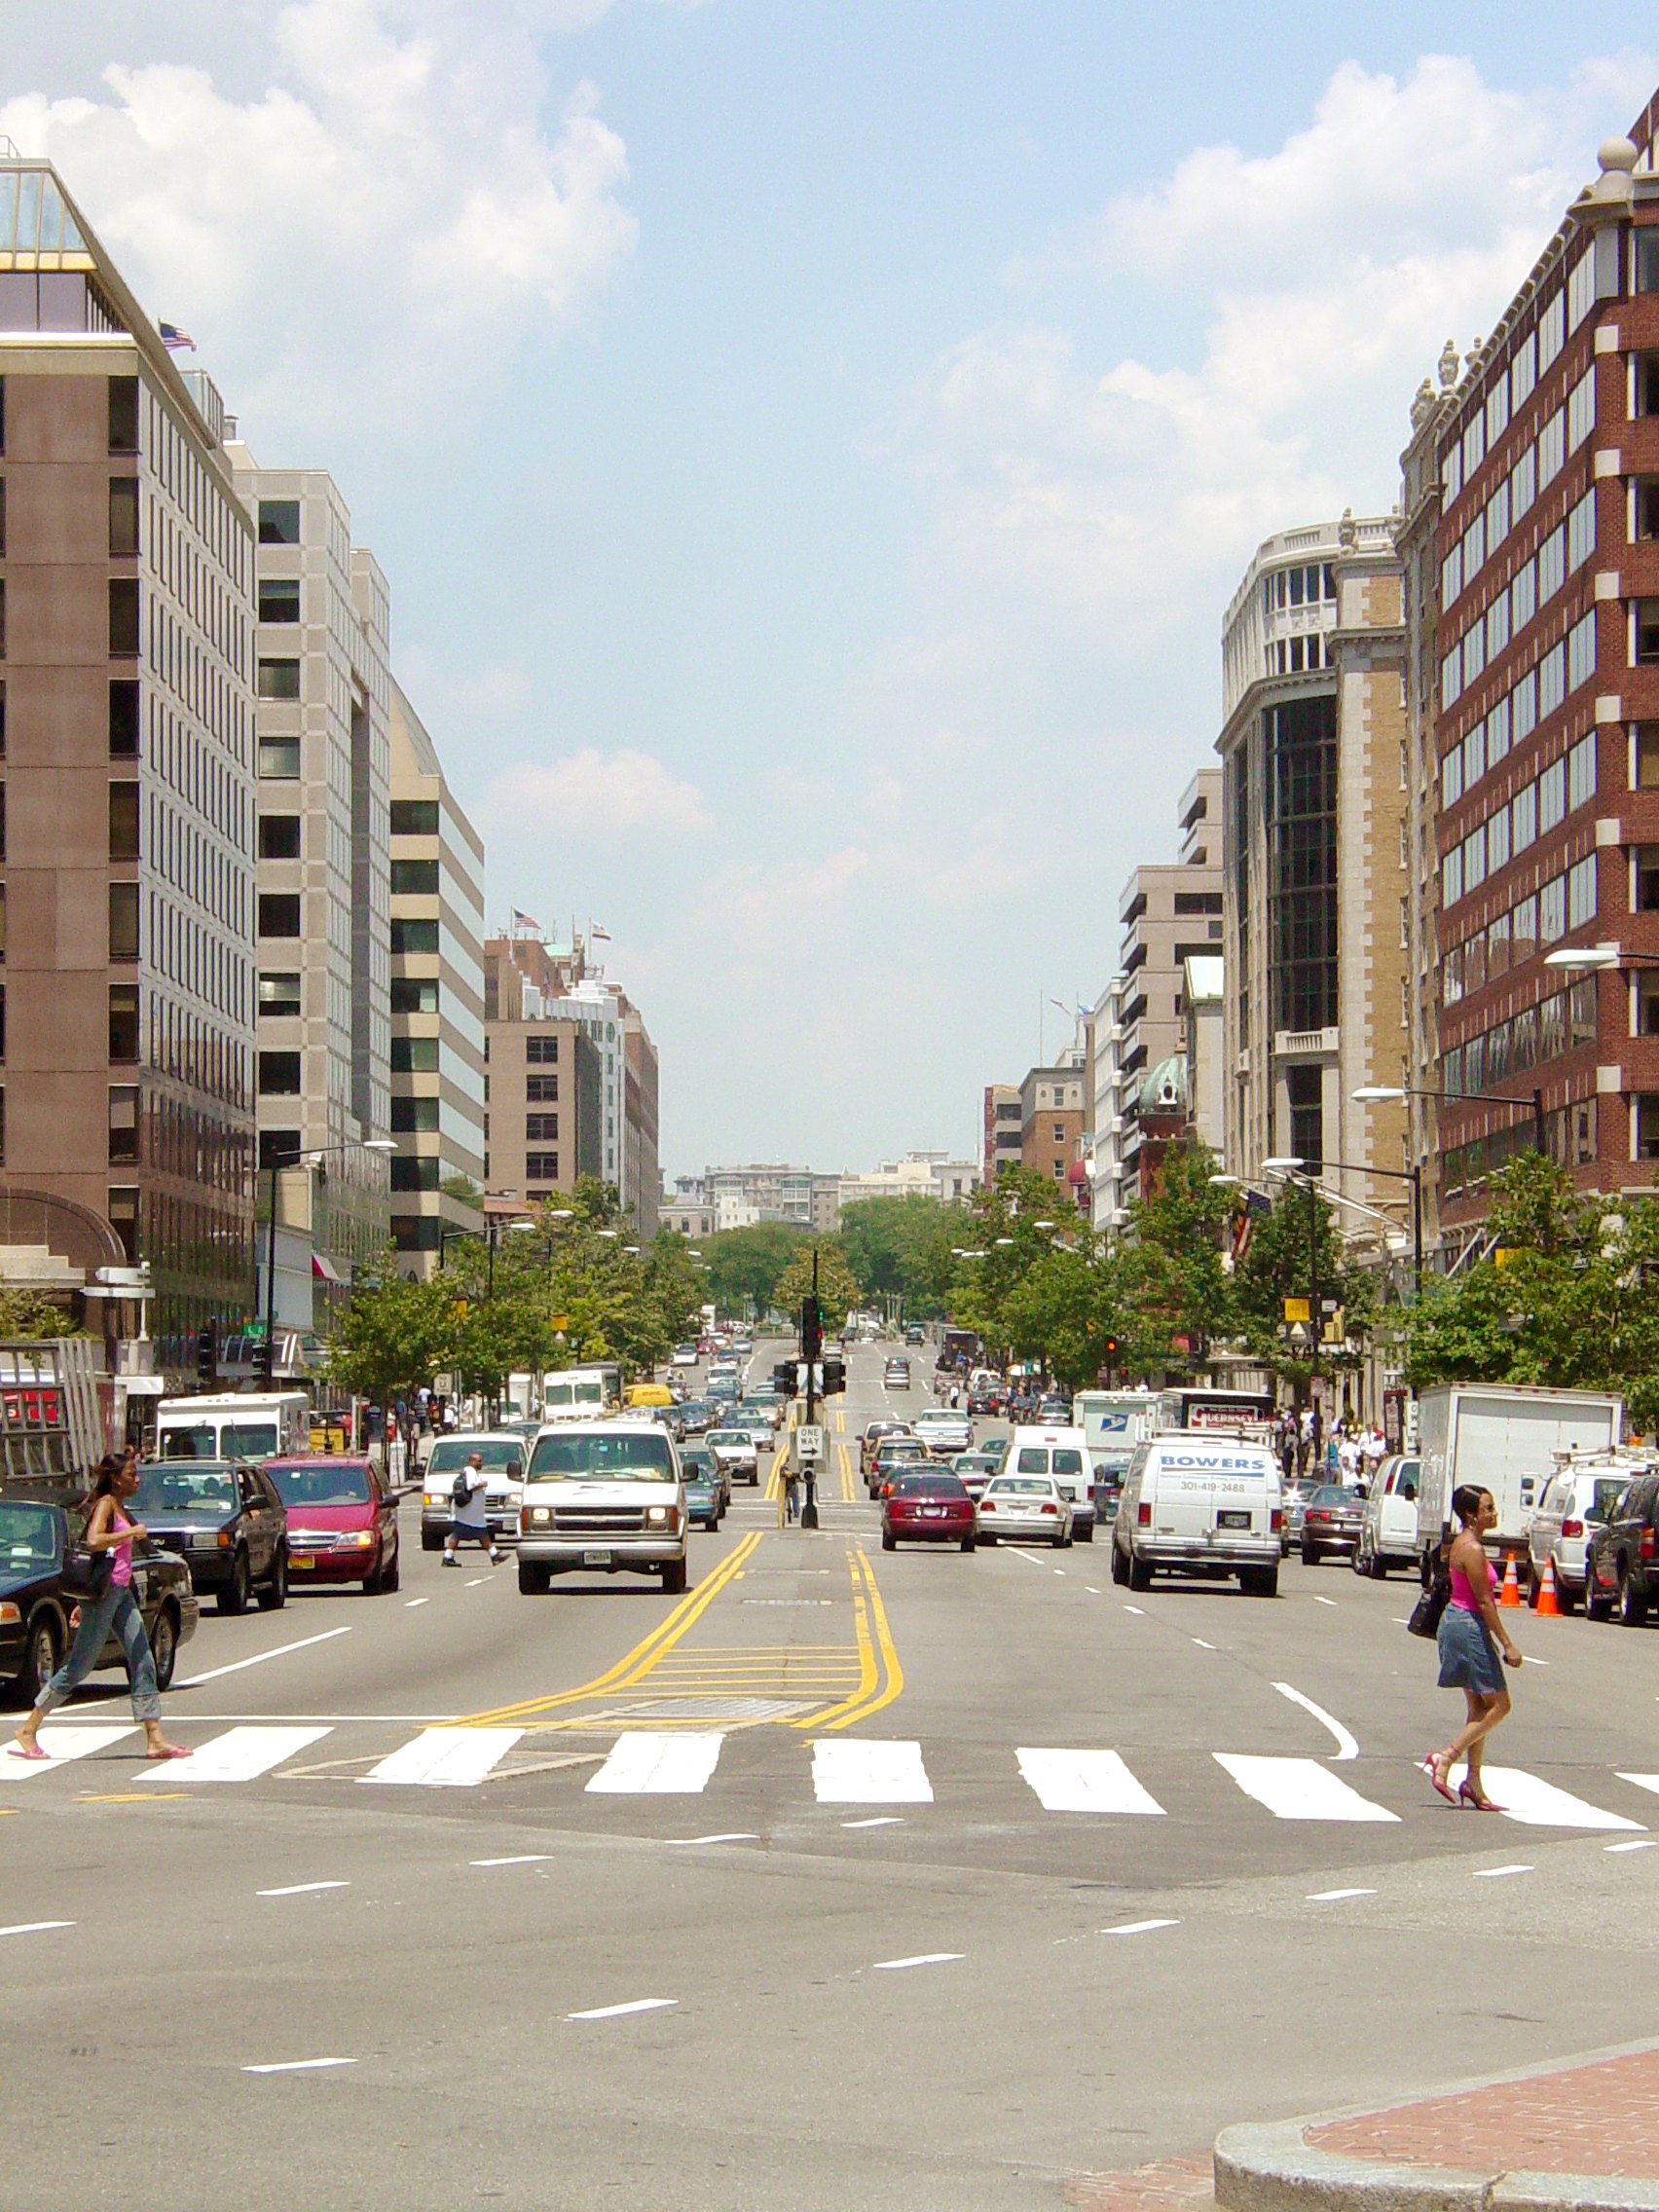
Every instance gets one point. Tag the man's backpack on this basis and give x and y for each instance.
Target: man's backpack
(460, 1489)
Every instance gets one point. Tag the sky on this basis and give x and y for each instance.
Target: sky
(813, 442)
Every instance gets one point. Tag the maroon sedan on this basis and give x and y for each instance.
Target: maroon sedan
(342, 1522)
(926, 1509)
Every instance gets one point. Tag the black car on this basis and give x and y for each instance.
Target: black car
(35, 1608)
(227, 1519)
(1331, 1523)
(1621, 1566)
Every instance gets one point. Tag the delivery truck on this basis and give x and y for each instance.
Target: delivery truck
(1504, 1437)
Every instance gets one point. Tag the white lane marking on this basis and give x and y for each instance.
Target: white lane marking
(921, 1959)
(1401, 1620)
(1030, 1558)
(1646, 1844)
(1141, 1609)
(477, 1584)
(238, 1754)
(300, 2065)
(35, 1927)
(1331, 1896)
(409, 1603)
(1138, 1927)
(735, 1835)
(1318, 1600)
(881, 1821)
(1496, 1873)
(1085, 1782)
(258, 1660)
(1346, 1748)
(302, 1889)
(446, 1758)
(520, 1859)
(1092, 1592)
(658, 1764)
(61, 1745)
(1300, 1790)
(1202, 1645)
(866, 1770)
(1539, 1804)
(615, 2011)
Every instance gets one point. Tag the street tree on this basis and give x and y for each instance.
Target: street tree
(1175, 1291)
(395, 1334)
(1009, 1226)
(744, 1264)
(1295, 1230)
(899, 1249)
(1065, 1310)
(837, 1288)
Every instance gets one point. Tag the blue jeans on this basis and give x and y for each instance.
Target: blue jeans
(116, 1610)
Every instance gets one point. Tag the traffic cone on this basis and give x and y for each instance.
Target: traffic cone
(1547, 1607)
(1510, 1594)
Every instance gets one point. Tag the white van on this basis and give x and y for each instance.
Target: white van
(1201, 1504)
(1387, 1535)
(246, 1425)
(1062, 1452)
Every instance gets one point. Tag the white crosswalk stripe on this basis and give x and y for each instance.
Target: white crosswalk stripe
(656, 1764)
(1085, 1782)
(446, 1758)
(239, 1754)
(61, 1745)
(1300, 1790)
(851, 1770)
(1539, 1804)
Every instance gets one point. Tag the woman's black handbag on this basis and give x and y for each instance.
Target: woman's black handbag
(1426, 1612)
(85, 1574)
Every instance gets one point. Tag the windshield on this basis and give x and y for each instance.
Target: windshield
(929, 1486)
(1330, 1493)
(573, 1394)
(29, 1538)
(334, 1484)
(166, 1489)
(739, 1437)
(498, 1453)
(1007, 1485)
(631, 1456)
(231, 1440)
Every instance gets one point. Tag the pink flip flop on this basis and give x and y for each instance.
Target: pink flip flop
(23, 1751)
(173, 1752)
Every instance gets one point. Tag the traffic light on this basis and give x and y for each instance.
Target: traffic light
(784, 1379)
(1109, 1349)
(811, 1328)
(206, 1355)
(834, 1375)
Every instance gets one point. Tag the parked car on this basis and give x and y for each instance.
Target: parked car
(1621, 1569)
(896, 1375)
(926, 1509)
(975, 1469)
(1388, 1525)
(1331, 1524)
(342, 1522)
(35, 1608)
(504, 1453)
(226, 1520)
(1026, 1509)
(1576, 1501)
(895, 1456)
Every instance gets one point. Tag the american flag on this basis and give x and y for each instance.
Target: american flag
(177, 341)
(523, 921)
(598, 932)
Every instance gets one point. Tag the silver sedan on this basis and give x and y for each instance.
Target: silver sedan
(1026, 1509)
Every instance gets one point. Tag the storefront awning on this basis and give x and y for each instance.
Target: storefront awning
(325, 1270)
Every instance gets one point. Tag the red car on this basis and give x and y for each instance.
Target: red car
(342, 1522)
(926, 1509)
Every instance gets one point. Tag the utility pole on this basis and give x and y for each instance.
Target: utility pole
(811, 1348)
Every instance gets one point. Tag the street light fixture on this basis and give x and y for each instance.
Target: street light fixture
(1386, 1093)
(1593, 959)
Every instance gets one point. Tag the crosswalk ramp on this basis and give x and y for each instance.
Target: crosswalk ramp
(831, 1772)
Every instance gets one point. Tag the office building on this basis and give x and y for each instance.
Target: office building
(1052, 1120)
(437, 1001)
(1002, 1122)
(932, 1175)
(127, 661)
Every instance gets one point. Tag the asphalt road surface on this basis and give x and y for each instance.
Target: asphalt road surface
(915, 1882)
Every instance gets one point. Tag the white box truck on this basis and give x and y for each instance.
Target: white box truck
(1503, 1436)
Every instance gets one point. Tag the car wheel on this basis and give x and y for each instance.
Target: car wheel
(234, 1597)
(1596, 1603)
(1140, 1573)
(889, 1544)
(535, 1579)
(431, 1539)
(1567, 1598)
(1633, 1604)
(1379, 1567)
(1120, 1566)
(1309, 1557)
(41, 1655)
(967, 1543)
(1535, 1588)
(392, 1574)
(1258, 1581)
(163, 1647)
(1359, 1560)
(275, 1595)
(673, 1579)
(990, 1540)
(1085, 1534)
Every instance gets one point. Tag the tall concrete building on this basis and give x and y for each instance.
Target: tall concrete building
(437, 999)
(1001, 1128)
(1318, 870)
(324, 867)
(1536, 516)
(127, 681)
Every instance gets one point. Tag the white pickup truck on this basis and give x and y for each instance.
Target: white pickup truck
(602, 1498)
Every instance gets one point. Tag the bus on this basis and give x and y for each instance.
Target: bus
(1199, 1407)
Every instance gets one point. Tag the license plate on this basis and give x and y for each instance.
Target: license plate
(595, 1559)
(300, 1558)
(933, 1512)
(1233, 1520)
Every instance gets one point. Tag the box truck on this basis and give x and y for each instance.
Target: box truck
(1503, 1436)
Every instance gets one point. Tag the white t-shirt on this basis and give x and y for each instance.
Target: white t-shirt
(471, 1514)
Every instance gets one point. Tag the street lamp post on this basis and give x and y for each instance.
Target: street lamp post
(1386, 1093)
(307, 1156)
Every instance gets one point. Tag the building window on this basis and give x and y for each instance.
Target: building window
(411, 994)
(415, 879)
(123, 921)
(1302, 810)
(413, 936)
(124, 617)
(123, 414)
(122, 822)
(1060, 1132)
(122, 517)
(280, 759)
(414, 1117)
(280, 991)
(123, 1122)
(420, 1173)
(279, 599)
(1647, 1120)
(1645, 1005)
(539, 1087)
(278, 836)
(124, 719)
(414, 817)
(541, 1167)
(279, 1148)
(278, 1075)
(122, 1021)
(278, 679)
(1647, 631)
(1647, 879)
(120, 1209)
(1305, 1089)
(279, 522)
(279, 914)
(414, 1056)
(542, 1049)
(1197, 903)
(540, 1128)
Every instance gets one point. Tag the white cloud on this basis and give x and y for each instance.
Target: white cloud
(593, 791)
(387, 216)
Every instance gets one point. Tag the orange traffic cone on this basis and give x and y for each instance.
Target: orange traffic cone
(1547, 1607)
(1510, 1594)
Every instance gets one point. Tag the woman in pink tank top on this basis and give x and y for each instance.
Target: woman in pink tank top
(1471, 1633)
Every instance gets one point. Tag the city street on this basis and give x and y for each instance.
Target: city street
(767, 1896)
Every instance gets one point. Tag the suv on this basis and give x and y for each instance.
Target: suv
(736, 1453)
(603, 1497)
(502, 1454)
(1621, 1566)
(1577, 1499)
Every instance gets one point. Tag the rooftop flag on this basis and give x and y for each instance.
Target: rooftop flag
(523, 921)
(598, 931)
(177, 341)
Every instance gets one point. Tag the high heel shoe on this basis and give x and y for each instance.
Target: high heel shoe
(1431, 1769)
(1468, 1795)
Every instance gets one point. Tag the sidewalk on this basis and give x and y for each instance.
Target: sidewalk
(1566, 2138)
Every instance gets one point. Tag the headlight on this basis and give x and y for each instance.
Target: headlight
(363, 1539)
(541, 1516)
(10, 1615)
(658, 1514)
(434, 1498)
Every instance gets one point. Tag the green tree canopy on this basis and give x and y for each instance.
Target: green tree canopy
(900, 1248)
(743, 1266)
(838, 1290)
(1276, 1266)
(1176, 1296)
(1009, 1225)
